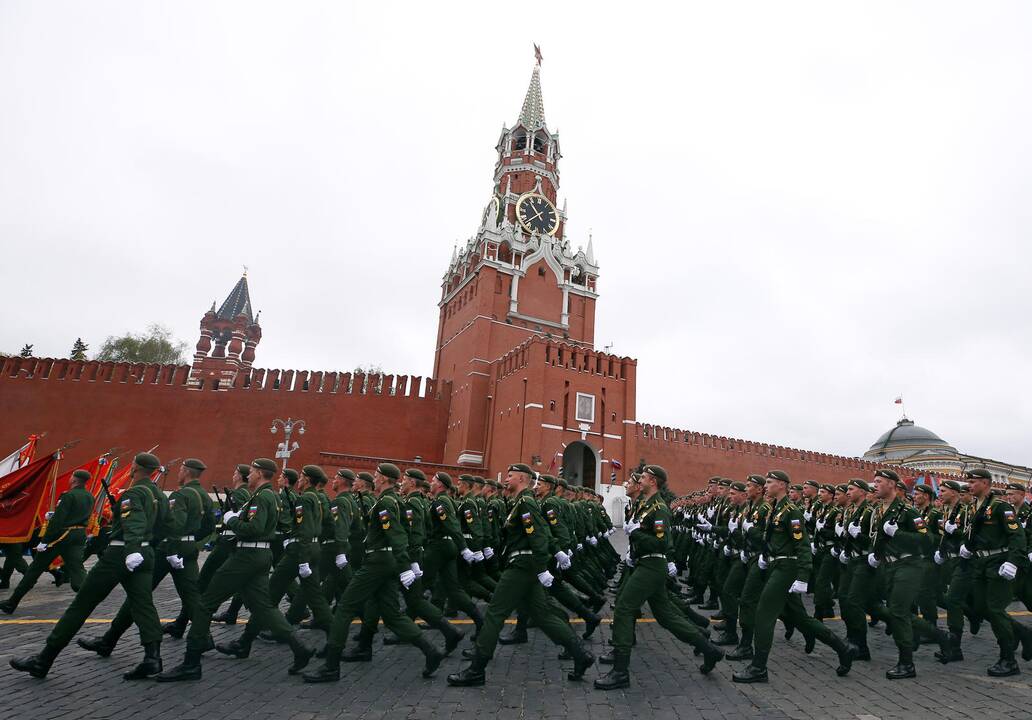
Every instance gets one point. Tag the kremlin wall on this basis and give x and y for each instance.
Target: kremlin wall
(516, 375)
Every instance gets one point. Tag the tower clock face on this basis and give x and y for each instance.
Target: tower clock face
(537, 214)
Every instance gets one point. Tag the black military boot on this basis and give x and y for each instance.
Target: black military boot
(189, 669)
(711, 605)
(472, 675)
(478, 620)
(619, 677)
(726, 637)
(711, 655)
(239, 648)
(719, 615)
(1023, 634)
(608, 658)
(596, 603)
(861, 651)
(9, 605)
(904, 668)
(452, 635)
(744, 650)
(591, 622)
(102, 645)
(390, 638)
(1004, 667)
(582, 660)
(952, 653)
(174, 629)
(809, 640)
(225, 617)
(755, 672)
(330, 671)
(150, 666)
(302, 654)
(36, 665)
(432, 655)
(518, 635)
(846, 655)
(363, 651)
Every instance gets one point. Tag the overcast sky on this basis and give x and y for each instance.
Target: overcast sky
(800, 210)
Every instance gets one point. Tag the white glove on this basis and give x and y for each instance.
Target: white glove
(610, 531)
(407, 578)
(843, 558)
(807, 516)
(840, 529)
(479, 556)
(1030, 557)
(890, 528)
(341, 561)
(705, 526)
(133, 561)
(872, 560)
(711, 512)
(1009, 570)
(671, 569)
(813, 548)
(762, 562)
(230, 516)
(42, 547)
(563, 560)
(50, 514)
(488, 553)
(592, 540)
(598, 536)
(627, 559)
(798, 587)
(820, 524)
(950, 527)
(416, 570)
(630, 527)
(304, 570)
(939, 559)
(468, 556)
(545, 578)
(732, 524)
(570, 553)
(747, 525)
(175, 561)
(580, 546)
(728, 552)
(835, 552)
(854, 530)
(742, 556)
(964, 552)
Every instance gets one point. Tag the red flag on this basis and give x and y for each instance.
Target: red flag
(22, 494)
(63, 482)
(899, 400)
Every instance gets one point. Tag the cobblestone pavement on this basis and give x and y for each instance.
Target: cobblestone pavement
(523, 681)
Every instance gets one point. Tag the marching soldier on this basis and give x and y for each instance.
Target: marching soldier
(753, 525)
(129, 562)
(825, 555)
(225, 543)
(734, 545)
(65, 536)
(956, 574)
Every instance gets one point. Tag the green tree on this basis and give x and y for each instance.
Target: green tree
(79, 350)
(156, 345)
(27, 350)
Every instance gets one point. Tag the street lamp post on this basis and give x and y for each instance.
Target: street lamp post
(284, 449)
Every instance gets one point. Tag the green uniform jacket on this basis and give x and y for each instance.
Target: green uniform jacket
(342, 509)
(525, 529)
(417, 519)
(444, 521)
(257, 521)
(562, 535)
(185, 511)
(653, 537)
(469, 519)
(861, 544)
(957, 515)
(759, 509)
(72, 511)
(307, 525)
(910, 536)
(288, 501)
(139, 511)
(785, 536)
(386, 529)
(995, 526)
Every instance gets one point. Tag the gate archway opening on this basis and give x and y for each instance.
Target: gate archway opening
(581, 465)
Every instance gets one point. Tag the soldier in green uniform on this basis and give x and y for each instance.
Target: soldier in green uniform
(472, 533)
(956, 584)
(187, 518)
(247, 573)
(350, 530)
(786, 554)
(445, 544)
(324, 560)
(995, 545)
(523, 584)
(651, 554)
(734, 545)
(386, 564)
(65, 536)
(1023, 585)
(928, 595)
(225, 543)
(823, 539)
(752, 526)
(856, 587)
(128, 561)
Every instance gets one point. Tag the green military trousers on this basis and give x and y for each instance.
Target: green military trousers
(903, 580)
(991, 596)
(71, 551)
(440, 571)
(110, 571)
(731, 591)
(373, 589)
(648, 584)
(752, 588)
(856, 591)
(245, 572)
(824, 581)
(185, 581)
(309, 591)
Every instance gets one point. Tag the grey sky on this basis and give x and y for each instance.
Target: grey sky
(800, 210)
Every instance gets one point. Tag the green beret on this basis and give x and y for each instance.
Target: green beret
(290, 474)
(755, 479)
(657, 472)
(520, 467)
(416, 474)
(562, 483)
(365, 477)
(389, 470)
(346, 474)
(444, 478)
(778, 475)
(147, 461)
(995, 491)
(829, 488)
(713, 481)
(926, 489)
(739, 486)
(83, 475)
(953, 485)
(494, 483)
(478, 480)
(900, 485)
(265, 464)
(244, 470)
(889, 474)
(863, 485)
(842, 488)
(314, 472)
(194, 464)
(547, 479)
(797, 487)
(813, 484)
(725, 482)
(1016, 486)
(978, 474)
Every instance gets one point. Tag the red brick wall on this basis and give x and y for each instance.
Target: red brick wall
(137, 406)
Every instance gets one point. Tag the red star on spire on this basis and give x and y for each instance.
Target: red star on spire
(537, 53)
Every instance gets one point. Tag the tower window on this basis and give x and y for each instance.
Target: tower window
(539, 144)
(519, 140)
(541, 271)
